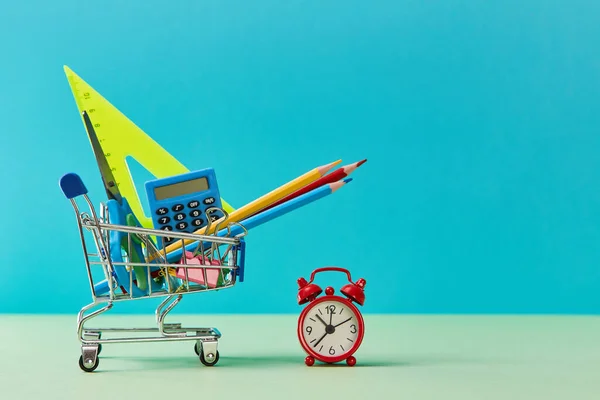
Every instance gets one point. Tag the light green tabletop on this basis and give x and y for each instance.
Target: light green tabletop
(402, 357)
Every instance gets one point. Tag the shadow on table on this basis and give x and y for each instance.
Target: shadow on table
(298, 360)
(160, 363)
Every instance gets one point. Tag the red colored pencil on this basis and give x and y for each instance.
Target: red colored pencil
(335, 176)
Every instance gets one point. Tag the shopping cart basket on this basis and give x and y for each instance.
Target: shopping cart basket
(135, 265)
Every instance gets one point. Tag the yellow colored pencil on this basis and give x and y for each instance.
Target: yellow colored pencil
(262, 202)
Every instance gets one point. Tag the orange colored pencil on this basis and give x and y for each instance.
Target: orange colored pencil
(335, 176)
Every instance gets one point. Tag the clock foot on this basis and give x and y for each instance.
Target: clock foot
(309, 361)
(351, 361)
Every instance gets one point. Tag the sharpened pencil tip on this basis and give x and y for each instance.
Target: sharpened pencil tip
(338, 184)
(348, 169)
(326, 168)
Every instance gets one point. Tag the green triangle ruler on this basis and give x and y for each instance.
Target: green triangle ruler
(119, 138)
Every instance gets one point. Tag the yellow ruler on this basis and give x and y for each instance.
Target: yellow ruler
(119, 138)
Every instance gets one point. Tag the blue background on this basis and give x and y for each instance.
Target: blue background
(479, 121)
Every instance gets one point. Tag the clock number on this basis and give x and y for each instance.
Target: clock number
(309, 330)
(331, 309)
(353, 327)
(331, 350)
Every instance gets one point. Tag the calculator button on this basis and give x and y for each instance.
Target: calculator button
(195, 213)
(197, 222)
(166, 228)
(162, 211)
(163, 220)
(181, 225)
(177, 207)
(213, 218)
(193, 204)
(209, 200)
(179, 217)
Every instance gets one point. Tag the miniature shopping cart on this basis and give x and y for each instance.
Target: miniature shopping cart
(134, 264)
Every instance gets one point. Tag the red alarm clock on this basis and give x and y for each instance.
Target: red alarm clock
(331, 328)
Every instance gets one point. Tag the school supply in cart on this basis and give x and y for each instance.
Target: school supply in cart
(202, 276)
(118, 212)
(178, 203)
(120, 138)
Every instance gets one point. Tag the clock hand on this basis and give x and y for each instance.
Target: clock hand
(319, 341)
(330, 316)
(321, 319)
(343, 322)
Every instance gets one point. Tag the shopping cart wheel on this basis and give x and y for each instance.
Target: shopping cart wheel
(210, 359)
(196, 349)
(88, 366)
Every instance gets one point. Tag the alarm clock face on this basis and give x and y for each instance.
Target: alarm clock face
(331, 329)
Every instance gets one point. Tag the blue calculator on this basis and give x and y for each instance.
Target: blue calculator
(178, 203)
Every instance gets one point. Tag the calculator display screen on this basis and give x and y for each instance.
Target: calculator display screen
(181, 188)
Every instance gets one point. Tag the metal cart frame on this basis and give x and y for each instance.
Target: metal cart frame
(230, 264)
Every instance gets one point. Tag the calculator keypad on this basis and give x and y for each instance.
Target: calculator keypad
(167, 239)
(162, 211)
(197, 222)
(185, 218)
(179, 217)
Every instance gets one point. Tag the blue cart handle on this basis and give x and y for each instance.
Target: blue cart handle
(72, 185)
